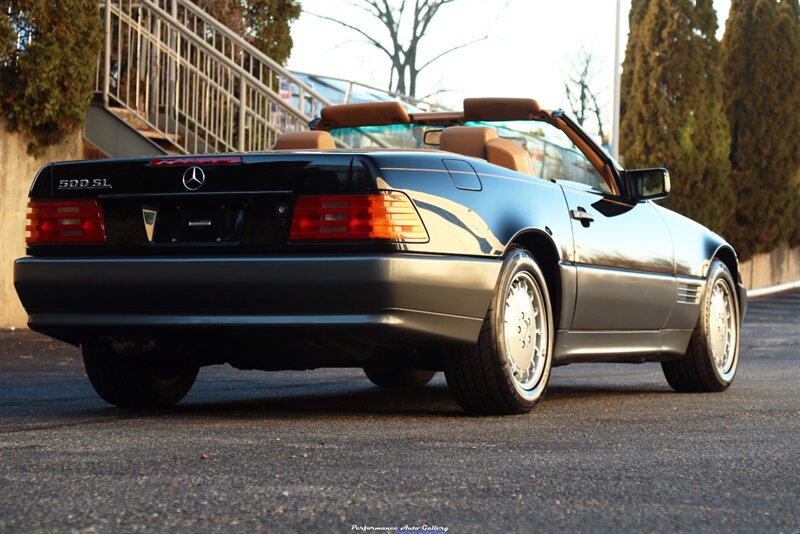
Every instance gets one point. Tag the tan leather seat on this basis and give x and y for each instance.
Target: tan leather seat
(482, 142)
(467, 140)
(305, 140)
(510, 155)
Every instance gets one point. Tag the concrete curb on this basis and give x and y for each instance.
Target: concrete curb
(771, 290)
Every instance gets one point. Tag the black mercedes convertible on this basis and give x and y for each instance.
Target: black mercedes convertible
(493, 244)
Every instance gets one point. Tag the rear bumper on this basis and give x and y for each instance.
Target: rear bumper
(416, 297)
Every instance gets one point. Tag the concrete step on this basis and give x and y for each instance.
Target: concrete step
(115, 137)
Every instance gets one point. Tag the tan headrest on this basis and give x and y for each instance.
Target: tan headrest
(500, 109)
(510, 155)
(365, 114)
(305, 140)
(467, 140)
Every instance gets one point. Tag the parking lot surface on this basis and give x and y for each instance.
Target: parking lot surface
(610, 448)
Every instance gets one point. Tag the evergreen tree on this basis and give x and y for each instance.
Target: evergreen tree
(268, 22)
(264, 23)
(7, 36)
(228, 12)
(48, 54)
(632, 56)
(762, 94)
(672, 113)
(789, 26)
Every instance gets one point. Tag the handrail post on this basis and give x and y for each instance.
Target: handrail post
(302, 97)
(242, 111)
(348, 93)
(172, 68)
(107, 54)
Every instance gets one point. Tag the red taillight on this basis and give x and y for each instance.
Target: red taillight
(386, 215)
(204, 160)
(65, 221)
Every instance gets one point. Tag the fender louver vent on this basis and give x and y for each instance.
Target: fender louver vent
(689, 293)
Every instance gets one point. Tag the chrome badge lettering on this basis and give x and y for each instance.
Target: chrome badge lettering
(84, 183)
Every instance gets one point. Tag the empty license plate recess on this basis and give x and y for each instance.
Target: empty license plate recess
(213, 223)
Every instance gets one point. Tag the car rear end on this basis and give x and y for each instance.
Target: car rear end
(287, 260)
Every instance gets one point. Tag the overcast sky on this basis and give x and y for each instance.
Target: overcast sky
(530, 44)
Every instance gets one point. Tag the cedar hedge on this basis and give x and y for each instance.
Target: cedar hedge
(671, 111)
(48, 56)
(722, 116)
(761, 68)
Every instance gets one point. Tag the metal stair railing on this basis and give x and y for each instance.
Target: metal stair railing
(178, 73)
(349, 86)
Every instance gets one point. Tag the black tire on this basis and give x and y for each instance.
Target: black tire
(704, 367)
(136, 382)
(482, 377)
(398, 377)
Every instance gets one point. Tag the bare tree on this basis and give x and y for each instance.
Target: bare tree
(582, 92)
(402, 47)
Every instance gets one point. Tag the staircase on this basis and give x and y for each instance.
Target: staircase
(174, 80)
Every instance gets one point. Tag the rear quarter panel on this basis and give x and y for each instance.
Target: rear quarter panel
(476, 222)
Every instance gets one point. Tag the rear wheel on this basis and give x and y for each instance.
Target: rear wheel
(398, 377)
(711, 360)
(507, 371)
(136, 382)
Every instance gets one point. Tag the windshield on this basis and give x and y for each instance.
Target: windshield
(387, 136)
(553, 155)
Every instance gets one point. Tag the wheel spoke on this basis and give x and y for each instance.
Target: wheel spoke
(721, 326)
(524, 325)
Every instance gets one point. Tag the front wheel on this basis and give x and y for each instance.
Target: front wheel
(712, 357)
(507, 371)
(136, 382)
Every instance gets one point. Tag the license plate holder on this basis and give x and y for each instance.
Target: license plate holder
(198, 224)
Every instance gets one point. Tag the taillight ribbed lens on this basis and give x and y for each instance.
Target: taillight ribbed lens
(387, 215)
(65, 221)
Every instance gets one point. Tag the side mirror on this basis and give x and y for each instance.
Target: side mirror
(648, 184)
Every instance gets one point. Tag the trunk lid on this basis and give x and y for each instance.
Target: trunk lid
(176, 205)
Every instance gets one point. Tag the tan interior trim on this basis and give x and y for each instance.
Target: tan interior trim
(467, 140)
(510, 155)
(364, 114)
(305, 140)
(438, 118)
(500, 109)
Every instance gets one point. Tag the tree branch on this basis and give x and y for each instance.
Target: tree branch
(434, 93)
(374, 42)
(403, 54)
(449, 50)
(430, 12)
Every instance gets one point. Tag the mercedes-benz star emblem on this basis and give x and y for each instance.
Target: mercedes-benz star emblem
(193, 178)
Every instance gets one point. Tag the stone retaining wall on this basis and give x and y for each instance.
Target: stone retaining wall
(17, 170)
(780, 266)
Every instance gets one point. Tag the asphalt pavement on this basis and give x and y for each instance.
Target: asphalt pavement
(611, 448)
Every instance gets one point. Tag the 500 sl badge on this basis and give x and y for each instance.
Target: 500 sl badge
(84, 183)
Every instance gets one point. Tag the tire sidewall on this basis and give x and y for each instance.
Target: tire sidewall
(516, 261)
(131, 382)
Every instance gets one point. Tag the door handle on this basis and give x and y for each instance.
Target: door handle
(581, 215)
